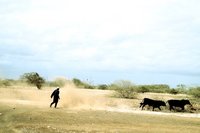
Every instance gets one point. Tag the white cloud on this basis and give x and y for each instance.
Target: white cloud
(126, 36)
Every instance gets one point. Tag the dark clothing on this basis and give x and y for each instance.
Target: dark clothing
(56, 97)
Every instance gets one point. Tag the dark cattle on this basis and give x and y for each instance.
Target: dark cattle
(178, 103)
(153, 103)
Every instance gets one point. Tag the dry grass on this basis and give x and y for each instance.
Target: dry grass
(26, 110)
(25, 119)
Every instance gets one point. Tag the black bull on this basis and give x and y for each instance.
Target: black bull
(178, 103)
(153, 103)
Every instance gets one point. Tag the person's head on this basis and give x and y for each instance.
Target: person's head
(57, 88)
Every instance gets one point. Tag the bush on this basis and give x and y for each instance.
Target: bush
(128, 93)
(157, 88)
(88, 86)
(58, 82)
(124, 89)
(174, 91)
(6, 82)
(80, 84)
(102, 87)
(195, 92)
(143, 89)
(181, 88)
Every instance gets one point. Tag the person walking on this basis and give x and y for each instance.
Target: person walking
(55, 96)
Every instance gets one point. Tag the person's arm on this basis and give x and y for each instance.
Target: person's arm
(52, 94)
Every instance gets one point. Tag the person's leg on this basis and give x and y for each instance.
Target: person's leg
(56, 104)
(52, 103)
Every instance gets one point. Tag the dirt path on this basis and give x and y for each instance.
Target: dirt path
(120, 108)
(80, 99)
(139, 111)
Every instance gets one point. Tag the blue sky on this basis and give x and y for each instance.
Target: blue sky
(145, 41)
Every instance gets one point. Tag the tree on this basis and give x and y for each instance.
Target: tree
(33, 78)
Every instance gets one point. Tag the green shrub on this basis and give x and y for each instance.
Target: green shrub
(124, 89)
(80, 84)
(88, 86)
(174, 91)
(6, 82)
(102, 87)
(128, 93)
(58, 82)
(142, 89)
(157, 88)
(182, 91)
(181, 88)
(195, 92)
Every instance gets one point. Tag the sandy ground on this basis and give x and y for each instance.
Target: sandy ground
(80, 99)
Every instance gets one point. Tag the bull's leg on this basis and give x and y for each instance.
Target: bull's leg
(143, 106)
(159, 108)
(182, 107)
(170, 107)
